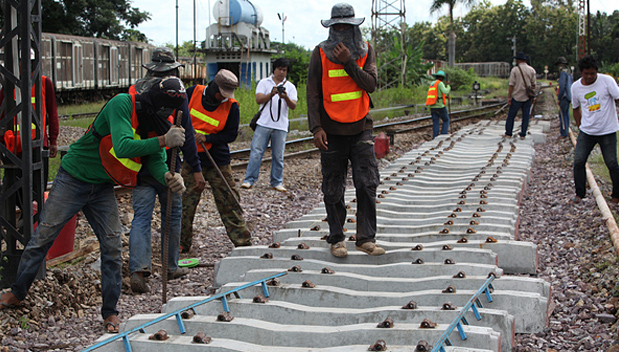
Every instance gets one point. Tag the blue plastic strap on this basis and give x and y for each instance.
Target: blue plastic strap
(224, 301)
(476, 312)
(265, 289)
(181, 325)
(461, 331)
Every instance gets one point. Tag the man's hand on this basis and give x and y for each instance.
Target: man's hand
(341, 52)
(200, 182)
(320, 140)
(200, 138)
(53, 150)
(175, 137)
(175, 182)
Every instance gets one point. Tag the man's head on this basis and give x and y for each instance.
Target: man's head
(521, 57)
(280, 68)
(561, 61)
(162, 62)
(342, 13)
(588, 67)
(440, 75)
(227, 83)
(164, 93)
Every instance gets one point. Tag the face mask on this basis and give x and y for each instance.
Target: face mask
(163, 113)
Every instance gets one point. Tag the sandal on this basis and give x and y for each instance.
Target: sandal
(109, 326)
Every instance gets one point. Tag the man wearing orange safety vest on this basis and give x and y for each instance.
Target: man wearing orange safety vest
(215, 118)
(436, 100)
(85, 181)
(49, 115)
(342, 72)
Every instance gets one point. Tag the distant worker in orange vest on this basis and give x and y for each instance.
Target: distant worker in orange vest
(342, 71)
(113, 150)
(49, 115)
(436, 100)
(215, 116)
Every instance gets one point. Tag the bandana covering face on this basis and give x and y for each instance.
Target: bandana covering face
(159, 98)
(351, 37)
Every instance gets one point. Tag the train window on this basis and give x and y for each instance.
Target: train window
(78, 59)
(113, 65)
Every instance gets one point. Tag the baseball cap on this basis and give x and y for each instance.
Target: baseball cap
(227, 83)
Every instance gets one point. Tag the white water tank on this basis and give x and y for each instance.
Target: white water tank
(231, 12)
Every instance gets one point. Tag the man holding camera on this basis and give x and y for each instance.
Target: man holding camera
(272, 125)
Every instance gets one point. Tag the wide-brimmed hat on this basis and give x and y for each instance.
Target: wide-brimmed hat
(162, 60)
(561, 60)
(342, 13)
(439, 74)
(521, 56)
(227, 83)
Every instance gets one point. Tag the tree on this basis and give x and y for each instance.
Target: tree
(110, 19)
(435, 7)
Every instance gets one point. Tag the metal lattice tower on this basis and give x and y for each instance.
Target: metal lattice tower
(582, 29)
(388, 15)
(22, 176)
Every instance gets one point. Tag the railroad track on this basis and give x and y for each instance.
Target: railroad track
(448, 218)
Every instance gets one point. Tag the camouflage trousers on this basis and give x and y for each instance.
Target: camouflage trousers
(230, 213)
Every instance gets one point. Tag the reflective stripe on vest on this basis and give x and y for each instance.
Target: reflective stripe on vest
(433, 94)
(343, 100)
(123, 171)
(207, 122)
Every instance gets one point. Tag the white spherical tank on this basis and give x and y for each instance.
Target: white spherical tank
(231, 12)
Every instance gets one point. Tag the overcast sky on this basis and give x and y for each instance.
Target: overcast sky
(303, 17)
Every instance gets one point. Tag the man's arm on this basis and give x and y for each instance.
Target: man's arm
(365, 77)
(314, 92)
(230, 131)
(52, 117)
(509, 95)
(577, 115)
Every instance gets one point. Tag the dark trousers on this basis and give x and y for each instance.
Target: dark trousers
(511, 116)
(584, 146)
(359, 150)
(564, 116)
(440, 113)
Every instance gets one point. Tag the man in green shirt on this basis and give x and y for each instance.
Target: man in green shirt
(437, 97)
(84, 183)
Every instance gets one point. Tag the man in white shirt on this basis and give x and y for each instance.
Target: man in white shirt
(280, 95)
(594, 99)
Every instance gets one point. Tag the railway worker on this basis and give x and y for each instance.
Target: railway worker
(521, 76)
(564, 94)
(437, 105)
(49, 115)
(85, 181)
(215, 117)
(594, 97)
(280, 94)
(342, 72)
(148, 188)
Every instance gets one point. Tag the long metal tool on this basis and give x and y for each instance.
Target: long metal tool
(221, 175)
(168, 218)
(560, 112)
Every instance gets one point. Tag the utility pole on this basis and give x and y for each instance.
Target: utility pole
(282, 18)
(389, 15)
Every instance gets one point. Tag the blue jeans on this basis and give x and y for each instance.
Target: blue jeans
(511, 116)
(140, 235)
(359, 150)
(584, 145)
(68, 196)
(259, 144)
(444, 116)
(564, 105)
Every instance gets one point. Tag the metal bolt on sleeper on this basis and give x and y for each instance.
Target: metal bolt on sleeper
(160, 335)
(202, 338)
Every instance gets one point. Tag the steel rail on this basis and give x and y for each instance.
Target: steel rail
(177, 313)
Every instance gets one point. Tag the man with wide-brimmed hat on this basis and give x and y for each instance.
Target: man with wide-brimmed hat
(342, 72)
(148, 189)
(521, 77)
(436, 100)
(564, 94)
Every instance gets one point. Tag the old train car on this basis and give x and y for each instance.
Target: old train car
(82, 67)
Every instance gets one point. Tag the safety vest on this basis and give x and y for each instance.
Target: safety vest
(343, 100)
(207, 122)
(124, 171)
(433, 94)
(12, 138)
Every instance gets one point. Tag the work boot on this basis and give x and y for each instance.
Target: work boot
(179, 272)
(138, 283)
(370, 248)
(339, 249)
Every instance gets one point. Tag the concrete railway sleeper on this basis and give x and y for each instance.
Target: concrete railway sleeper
(447, 216)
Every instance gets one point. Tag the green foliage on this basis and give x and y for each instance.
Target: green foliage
(610, 69)
(23, 322)
(458, 78)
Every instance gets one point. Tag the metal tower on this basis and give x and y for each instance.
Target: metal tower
(582, 29)
(22, 183)
(389, 15)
